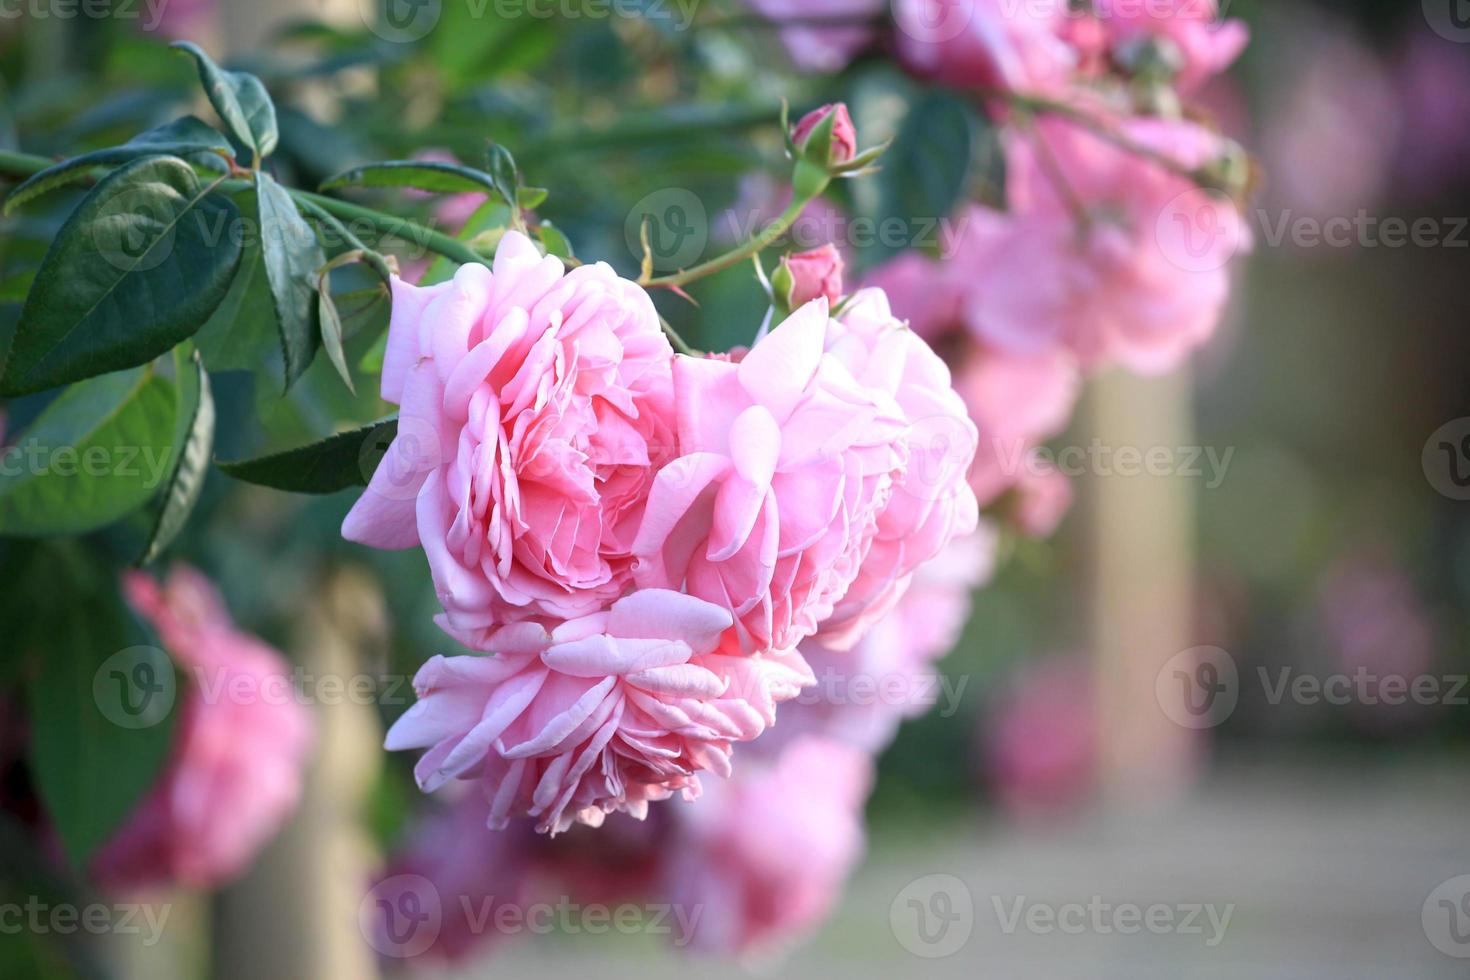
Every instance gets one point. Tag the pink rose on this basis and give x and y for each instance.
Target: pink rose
(998, 44)
(1041, 742)
(766, 854)
(235, 769)
(1017, 402)
(787, 462)
(817, 48)
(1142, 284)
(1204, 44)
(844, 137)
(601, 713)
(535, 407)
(931, 502)
(1043, 497)
(809, 275)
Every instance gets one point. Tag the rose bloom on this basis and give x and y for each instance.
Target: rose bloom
(1203, 44)
(235, 769)
(999, 44)
(535, 404)
(815, 272)
(787, 461)
(765, 855)
(931, 502)
(844, 136)
(1141, 284)
(602, 713)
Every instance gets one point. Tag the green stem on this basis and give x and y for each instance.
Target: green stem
(1042, 105)
(740, 253)
(28, 164)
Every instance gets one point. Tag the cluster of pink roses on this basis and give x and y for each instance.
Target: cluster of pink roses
(640, 540)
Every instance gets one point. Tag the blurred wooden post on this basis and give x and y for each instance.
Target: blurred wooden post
(1142, 588)
(295, 915)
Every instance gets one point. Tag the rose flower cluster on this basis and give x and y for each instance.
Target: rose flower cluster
(637, 541)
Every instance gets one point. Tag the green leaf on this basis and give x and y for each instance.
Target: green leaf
(425, 175)
(181, 137)
(502, 167)
(554, 241)
(531, 198)
(242, 335)
(15, 285)
(193, 443)
(97, 452)
(924, 171)
(98, 739)
(489, 216)
(347, 459)
(331, 324)
(292, 259)
(240, 99)
(139, 266)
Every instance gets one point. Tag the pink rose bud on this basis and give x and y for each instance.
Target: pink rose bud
(843, 144)
(804, 276)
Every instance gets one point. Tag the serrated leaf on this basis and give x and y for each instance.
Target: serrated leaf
(97, 452)
(138, 266)
(331, 325)
(292, 258)
(240, 99)
(92, 760)
(242, 334)
(426, 175)
(193, 442)
(347, 459)
(177, 138)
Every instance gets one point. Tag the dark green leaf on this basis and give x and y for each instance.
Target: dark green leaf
(179, 138)
(193, 443)
(242, 334)
(347, 459)
(502, 167)
(101, 717)
(292, 259)
(331, 325)
(425, 175)
(139, 266)
(924, 172)
(240, 99)
(97, 452)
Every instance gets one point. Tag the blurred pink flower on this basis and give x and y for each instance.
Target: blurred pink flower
(1041, 739)
(1142, 283)
(1204, 44)
(1043, 497)
(535, 406)
(452, 862)
(922, 291)
(1017, 402)
(787, 461)
(601, 713)
(931, 502)
(765, 855)
(1433, 89)
(813, 273)
(1000, 44)
(823, 48)
(235, 770)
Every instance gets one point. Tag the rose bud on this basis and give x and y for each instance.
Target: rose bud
(835, 142)
(804, 276)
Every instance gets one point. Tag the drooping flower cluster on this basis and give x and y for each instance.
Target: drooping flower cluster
(236, 766)
(639, 541)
